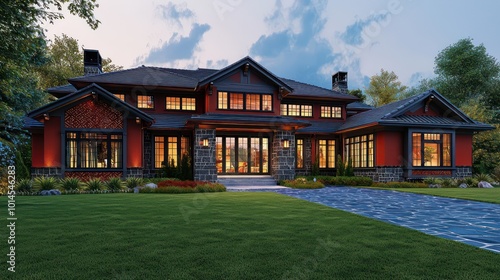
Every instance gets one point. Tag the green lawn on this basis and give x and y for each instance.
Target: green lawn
(223, 236)
(485, 195)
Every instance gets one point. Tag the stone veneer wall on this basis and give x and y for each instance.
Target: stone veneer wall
(204, 157)
(283, 159)
(463, 171)
(148, 171)
(382, 173)
(46, 172)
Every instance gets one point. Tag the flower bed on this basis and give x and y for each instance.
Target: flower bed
(174, 186)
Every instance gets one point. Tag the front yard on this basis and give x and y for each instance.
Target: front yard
(223, 236)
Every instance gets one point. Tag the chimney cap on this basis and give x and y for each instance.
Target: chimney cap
(92, 62)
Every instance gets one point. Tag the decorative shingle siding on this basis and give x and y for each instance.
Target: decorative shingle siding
(93, 114)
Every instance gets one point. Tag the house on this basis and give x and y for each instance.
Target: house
(240, 120)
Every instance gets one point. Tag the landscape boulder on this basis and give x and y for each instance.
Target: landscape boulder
(50, 192)
(151, 185)
(463, 186)
(484, 184)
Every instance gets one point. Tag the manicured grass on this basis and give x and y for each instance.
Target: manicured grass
(485, 195)
(223, 236)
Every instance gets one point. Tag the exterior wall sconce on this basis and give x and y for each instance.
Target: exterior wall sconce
(245, 70)
(46, 117)
(210, 88)
(204, 142)
(429, 100)
(94, 96)
(286, 143)
(137, 120)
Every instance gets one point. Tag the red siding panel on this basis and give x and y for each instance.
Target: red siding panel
(134, 144)
(463, 150)
(52, 142)
(37, 150)
(389, 149)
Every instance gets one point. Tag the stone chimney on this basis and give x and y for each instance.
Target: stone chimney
(339, 82)
(92, 62)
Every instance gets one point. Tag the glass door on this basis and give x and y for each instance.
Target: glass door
(242, 155)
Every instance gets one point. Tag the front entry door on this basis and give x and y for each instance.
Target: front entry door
(242, 155)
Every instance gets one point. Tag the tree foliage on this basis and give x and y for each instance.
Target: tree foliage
(65, 60)
(358, 93)
(23, 49)
(465, 71)
(384, 88)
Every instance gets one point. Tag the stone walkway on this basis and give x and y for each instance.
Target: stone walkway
(474, 223)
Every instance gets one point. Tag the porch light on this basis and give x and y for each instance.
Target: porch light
(46, 117)
(286, 143)
(137, 120)
(204, 142)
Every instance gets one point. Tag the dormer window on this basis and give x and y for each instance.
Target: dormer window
(296, 110)
(244, 101)
(332, 112)
(178, 103)
(120, 96)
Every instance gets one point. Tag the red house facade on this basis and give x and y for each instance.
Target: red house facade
(240, 120)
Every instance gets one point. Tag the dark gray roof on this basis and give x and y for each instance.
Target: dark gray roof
(150, 76)
(321, 127)
(392, 114)
(69, 88)
(31, 123)
(358, 105)
(169, 121)
(307, 90)
(249, 119)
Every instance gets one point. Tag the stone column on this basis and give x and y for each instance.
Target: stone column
(204, 168)
(283, 159)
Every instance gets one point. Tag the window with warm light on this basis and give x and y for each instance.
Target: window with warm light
(360, 150)
(173, 103)
(431, 149)
(120, 96)
(89, 150)
(334, 112)
(170, 149)
(188, 104)
(299, 149)
(244, 101)
(326, 153)
(145, 102)
(296, 110)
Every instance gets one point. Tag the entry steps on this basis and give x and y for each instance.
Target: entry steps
(248, 182)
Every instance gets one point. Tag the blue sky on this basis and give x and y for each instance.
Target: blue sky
(304, 40)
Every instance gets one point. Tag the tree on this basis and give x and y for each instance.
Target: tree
(465, 71)
(22, 50)
(358, 93)
(384, 88)
(65, 60)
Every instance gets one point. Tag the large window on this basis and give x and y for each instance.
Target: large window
(359, 150)
(244, 101)
(299, 148)
(178, 103)
(326, 151)
(171, 149)
(296, 110)
(145, 102)
(120, 96)
(431, 149)
(93, 150)
(331, 112)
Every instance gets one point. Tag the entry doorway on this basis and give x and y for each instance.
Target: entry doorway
(242, 155)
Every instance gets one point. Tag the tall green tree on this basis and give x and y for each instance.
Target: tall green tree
(65, 60)
(465, 71)
(22, 50)
(384, 88)
(358, 93)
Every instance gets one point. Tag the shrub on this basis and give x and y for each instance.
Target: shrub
(483, 177)
(449, 183)
(302, 184)
(340, 166)
(211, 187)
(71, 184)
(315, 168)
(157, 180)
(201, 187)
(342, 180)
(45, 183)
(133, 182)
(24, 185)
(185, 172)
(400, 185)
(114, 184)
(181, 184)
(349, 170)
(471, 182)
(432, 181)
(94, 185)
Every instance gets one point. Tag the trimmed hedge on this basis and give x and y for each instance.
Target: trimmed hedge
(400, 185)
(341, 180)
(200, 188)
(301, 184)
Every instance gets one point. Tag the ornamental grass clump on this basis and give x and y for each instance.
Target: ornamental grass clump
(94, 185)
(24, 186)
(114, 184)
(45, 183)
(71, 184)
(133, 182)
